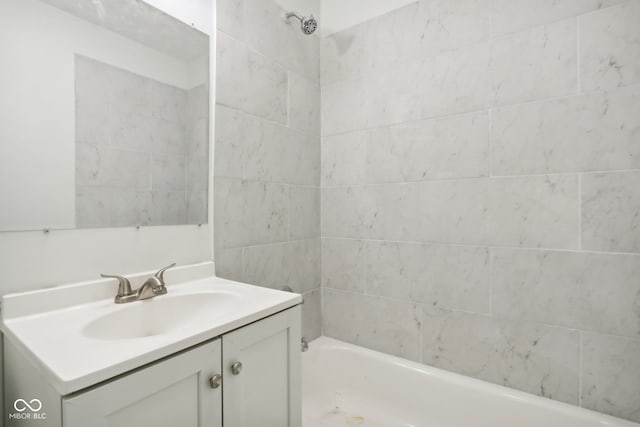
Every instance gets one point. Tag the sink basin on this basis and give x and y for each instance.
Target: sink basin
(160, 315)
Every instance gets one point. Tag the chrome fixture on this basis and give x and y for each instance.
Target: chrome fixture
(152, 287)
(308, 24)
(215, 381)
(236, 368)
(304, 344)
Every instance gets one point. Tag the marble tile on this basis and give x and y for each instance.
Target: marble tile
(169, 207)
(92, 102)
(566, 289)
(197, 137)
(279, 154)
(351, 54)
(609, 54)
(249, 212)
(342, 55)
(168, 172)
(456, 81)
(343, 211)
(165, 136)
(305, 161)
(131, 207)
(525, 211)
(594, 132)
(249, 81)
(382, 97)
(611, 375)
(294, 264)
(611, 212)
(453, 24)
(104, 166)
(384, 325)
(229, 263)
(198, 99)
(197, 207)
(343, 264)
(393, 37)
(304, 104)
(131, 118)
(304, 220)
(393, 212)
(265, 32)
(344, 159)
(230, 137)
(136, 133)
(197, 173)
(93, 207)
(312, 315)
(537, 359)
(513, 15)
(168, 102)
(535, 64)
(450, 147)
(455, 277)
(229, 17)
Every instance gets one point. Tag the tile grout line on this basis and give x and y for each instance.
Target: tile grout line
(491, 282)
(580, 369)
(490, 112)
(472, 245)
(364, 267)
(580, 246)
(476, 178)
(578, 80)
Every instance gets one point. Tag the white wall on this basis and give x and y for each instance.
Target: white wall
(304, 7)
(196, 13)
(337, 15)
(35, 259)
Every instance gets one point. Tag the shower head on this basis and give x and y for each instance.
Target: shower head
(308, 24)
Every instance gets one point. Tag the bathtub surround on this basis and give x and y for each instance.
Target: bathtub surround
(480, 202)
(267, 170)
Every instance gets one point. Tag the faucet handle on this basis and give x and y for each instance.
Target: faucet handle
(124, 286)
(160, 274)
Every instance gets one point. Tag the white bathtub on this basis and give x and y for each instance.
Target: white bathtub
(346, 385)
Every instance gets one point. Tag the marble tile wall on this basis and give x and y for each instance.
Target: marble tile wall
(141, 149)
(480, 184)
(267, 170)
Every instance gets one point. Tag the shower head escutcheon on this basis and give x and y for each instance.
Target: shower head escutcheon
(308, 24)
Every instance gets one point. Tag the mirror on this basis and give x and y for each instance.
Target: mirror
(104, 116)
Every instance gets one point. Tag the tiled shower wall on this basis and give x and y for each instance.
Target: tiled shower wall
(481, 193)
(267, 171)
(141, 149)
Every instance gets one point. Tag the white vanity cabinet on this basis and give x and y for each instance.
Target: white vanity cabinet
(260, 384)
(261, 371)
(174, 392)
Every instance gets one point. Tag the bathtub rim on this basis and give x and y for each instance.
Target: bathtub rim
(324, 343)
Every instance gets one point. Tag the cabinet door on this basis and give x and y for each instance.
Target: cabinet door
(266, 391)
(174, 392)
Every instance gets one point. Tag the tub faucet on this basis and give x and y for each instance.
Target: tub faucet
(152, 287)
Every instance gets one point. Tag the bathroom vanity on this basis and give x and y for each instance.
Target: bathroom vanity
(211, 352)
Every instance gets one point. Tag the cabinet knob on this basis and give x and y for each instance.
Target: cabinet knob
(236, 368)
(215, 381)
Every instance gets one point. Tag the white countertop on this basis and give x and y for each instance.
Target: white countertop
(52, 335)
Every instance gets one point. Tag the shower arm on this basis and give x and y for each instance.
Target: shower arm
(290, 15)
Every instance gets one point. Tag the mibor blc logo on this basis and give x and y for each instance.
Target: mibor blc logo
(27, 410)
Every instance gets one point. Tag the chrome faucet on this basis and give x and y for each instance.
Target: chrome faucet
(152, 287)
